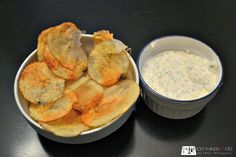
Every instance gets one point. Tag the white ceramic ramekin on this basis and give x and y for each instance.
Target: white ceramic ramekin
(87, 136)
(170, 108)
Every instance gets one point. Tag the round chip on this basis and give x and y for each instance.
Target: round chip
(88, 95)
(116, 100)
(64, 44)
(67, 126)
(52, 111)
(61, 71)
(39, 85)
(108, 62)
(42, 40)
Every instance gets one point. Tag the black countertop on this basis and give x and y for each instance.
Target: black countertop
(135, 22)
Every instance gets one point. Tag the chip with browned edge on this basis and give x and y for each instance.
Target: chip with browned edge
(88, 95)
(39, 85)
(42, 41)
(52, 111)
(67, 126)
(108, 62)
(101, 36)
(61, 71)
(64, 43)
(116, 100)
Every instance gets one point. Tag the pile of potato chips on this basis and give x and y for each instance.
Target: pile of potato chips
(71, 92)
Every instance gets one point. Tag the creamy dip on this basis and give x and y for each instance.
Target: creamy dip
(180, 75)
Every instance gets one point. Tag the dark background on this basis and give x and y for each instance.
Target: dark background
(135, 22)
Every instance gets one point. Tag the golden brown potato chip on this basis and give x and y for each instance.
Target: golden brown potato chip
(101, 36)
(108, 62)
(116, 100)
(64, 44)
(61, 71)
(87, 91)
(68, 126)
(42, 40)
(52, 111)
(88, 95)
(39, 85)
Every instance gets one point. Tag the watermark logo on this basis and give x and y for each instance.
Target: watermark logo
(207, 150)
(188, 150)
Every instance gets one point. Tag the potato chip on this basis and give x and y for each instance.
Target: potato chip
(108, 62)
(87, 91)
(88, 95)
(52, 111)
(68, 126)
(42, 40)
(61, 71)
(130, 73)
(72, 85)
(64, 44)
(39, 85)
(116, 100)
(101, 36)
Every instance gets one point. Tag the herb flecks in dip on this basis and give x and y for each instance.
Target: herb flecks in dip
(180, 75)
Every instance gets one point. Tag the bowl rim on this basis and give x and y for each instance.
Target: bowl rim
(16, 94)
(217, 87)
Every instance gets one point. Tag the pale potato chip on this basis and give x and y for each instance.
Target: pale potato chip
(130, 73)
(36, 110)
(101, 36)
(61, 71)
(64, 44)
(116, 100)
(68, 126)
(72, 85)
(42, 40)
(88, 95)
(39, 85)
(108, 62)
(52, 111)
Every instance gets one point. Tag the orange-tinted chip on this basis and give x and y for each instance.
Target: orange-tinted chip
(68, 126)
(101, 36)
(52, 111)
(61, 71)
(108, 62)
(116, 100)
(42, 41)
(88, 95)
(39, 85)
